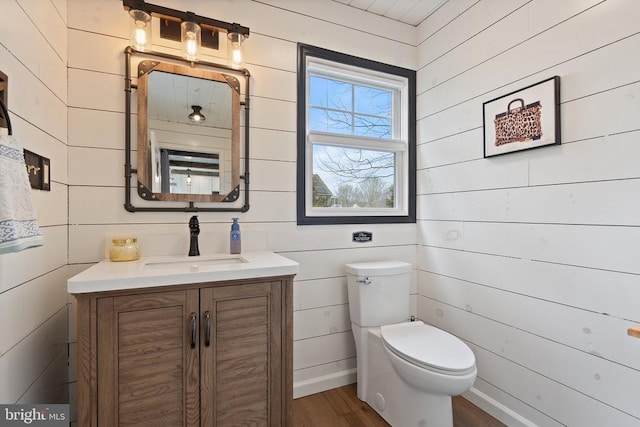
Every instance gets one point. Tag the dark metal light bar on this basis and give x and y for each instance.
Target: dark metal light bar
(179, 16)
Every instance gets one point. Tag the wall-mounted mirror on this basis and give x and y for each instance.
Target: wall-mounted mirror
(189, 133)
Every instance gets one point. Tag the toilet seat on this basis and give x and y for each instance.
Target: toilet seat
(429, 347)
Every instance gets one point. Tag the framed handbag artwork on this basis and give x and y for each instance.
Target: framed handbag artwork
(524, 119)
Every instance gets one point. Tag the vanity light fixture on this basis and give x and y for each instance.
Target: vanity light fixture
(193, 31)
(188, 176)
(196, 116)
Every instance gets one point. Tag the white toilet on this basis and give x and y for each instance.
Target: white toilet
(407, 371)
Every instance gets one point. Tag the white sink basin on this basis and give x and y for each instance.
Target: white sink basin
(190, 264)
(176, 270)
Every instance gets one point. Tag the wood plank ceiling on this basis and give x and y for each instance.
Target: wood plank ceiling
(411, 12)
(171, 97)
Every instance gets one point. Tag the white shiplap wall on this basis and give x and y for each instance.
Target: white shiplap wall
(324, 348)
(532, 257)
(33, 295)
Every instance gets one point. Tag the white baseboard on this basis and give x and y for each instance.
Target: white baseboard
(496, 409)
(323, 383)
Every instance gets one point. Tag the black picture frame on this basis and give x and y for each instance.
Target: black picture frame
(523, 119)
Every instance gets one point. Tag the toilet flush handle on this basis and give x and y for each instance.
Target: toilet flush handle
(365, 281)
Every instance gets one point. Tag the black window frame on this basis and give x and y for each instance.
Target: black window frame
(305, 51)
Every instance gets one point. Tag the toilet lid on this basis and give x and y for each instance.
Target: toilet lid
(378, 268)
(428, 346)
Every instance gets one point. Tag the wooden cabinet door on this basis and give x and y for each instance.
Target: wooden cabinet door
(241, 363)
(147, 367)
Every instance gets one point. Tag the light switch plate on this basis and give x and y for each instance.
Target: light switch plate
(39, 170)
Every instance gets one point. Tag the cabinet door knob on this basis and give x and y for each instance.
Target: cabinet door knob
(193, 330)
(207, 329)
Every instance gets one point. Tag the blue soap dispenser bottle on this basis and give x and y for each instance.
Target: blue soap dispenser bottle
(234, 237)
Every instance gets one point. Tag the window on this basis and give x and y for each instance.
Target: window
(356, 140)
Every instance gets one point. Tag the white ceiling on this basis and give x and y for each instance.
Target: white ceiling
(171, 97)
(411, 12)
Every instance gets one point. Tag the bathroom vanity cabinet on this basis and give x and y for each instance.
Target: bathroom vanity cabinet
(205, 354)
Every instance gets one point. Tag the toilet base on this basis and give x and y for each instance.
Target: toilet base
(397, 402)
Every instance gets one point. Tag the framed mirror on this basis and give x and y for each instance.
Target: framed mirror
(188, 134)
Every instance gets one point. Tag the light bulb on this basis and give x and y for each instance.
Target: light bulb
(191, 46)
(236, 56)
(141, 38)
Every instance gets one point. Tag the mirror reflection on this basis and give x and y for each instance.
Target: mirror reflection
(188, 133)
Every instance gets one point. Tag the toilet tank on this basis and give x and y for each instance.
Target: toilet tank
(378, 292)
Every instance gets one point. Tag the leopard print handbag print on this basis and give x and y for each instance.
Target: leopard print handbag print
(520, 124)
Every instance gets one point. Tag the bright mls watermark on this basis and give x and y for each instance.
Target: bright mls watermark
(39, 415)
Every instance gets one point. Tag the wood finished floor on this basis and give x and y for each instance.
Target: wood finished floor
(341, 407)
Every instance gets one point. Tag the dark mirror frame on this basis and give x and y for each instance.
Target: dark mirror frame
(200, 69)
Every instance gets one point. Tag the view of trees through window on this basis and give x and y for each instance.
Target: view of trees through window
(349, 176)
(353, 177)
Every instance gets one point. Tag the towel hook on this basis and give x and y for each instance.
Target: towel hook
(5, 113)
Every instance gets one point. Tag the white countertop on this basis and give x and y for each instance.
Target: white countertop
(177, 270)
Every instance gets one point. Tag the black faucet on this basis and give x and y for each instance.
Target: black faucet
(194, 230)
